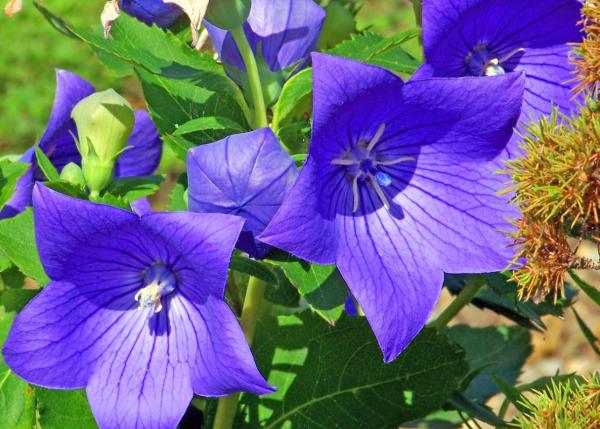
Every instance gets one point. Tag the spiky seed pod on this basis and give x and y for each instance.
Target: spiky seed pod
(548, 256)
(587, 61)
(559, 177)
(574, 404)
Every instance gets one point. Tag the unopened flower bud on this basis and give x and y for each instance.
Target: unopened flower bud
(228, 14)
(72, 173)
(104, 122)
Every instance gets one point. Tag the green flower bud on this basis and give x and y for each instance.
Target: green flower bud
(339, 25)
(228, 14)
(104, 123)
(72, 173)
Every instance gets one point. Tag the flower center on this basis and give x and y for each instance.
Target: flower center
(366, 167)
(481, 61)
(159, 281)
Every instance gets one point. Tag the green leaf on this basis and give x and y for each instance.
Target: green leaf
(208, 123)
(67, 188)
(475, 410)
(512, 393)
(59, 409)
(13, 300)
(253, 268)
(10, 172)
(382, 51)
(17, 400)
(295, 100)
(17, 242)
(46, 166)
(335, 377)
(589, 335)
(178, 198)
(321, 285)
(500, 349)
(134, 188)
(589, 290)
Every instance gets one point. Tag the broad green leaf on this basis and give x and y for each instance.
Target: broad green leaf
(134, 188)
(174, 102)
(208, 123)
(382, 51)
(501, 350)
(17, 242)
(10, 172)
(321, 285)
(253, 268)
(67, 188)
(589, 290)
(295, 100)
(475, 410)
(17, 401)
(62, 409)
(13, 300)
(335, 377)
(587, 332)
(46, 166)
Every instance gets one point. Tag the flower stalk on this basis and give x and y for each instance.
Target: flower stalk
(463, 299)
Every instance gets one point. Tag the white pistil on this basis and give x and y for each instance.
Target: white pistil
(346, 162)
(376, 138)
(355, 193)
(395, 161)
(149, 296)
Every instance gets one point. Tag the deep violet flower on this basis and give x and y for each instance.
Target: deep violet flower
(152, 11)
(57, 142)
(494, 37)
(397, 188)
(284, 32)
(135, 312)
(247, 175)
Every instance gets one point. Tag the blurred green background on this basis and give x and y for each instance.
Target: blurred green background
(32, 49)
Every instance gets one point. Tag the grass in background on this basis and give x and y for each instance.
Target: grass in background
(32, 49)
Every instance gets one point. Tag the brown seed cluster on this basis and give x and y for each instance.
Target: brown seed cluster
(557, 189)
(587, 61)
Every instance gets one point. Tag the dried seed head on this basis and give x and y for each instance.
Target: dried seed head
(587, 61)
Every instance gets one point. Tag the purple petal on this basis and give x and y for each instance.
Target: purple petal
(152, 11)
(143, 378)
(203, 244)
(299, 226)
(57, 141)
(393, 279)
(247, 175)
(145, 149)
(21, 199)
(286, 30)
(52, 341)
(223, 363)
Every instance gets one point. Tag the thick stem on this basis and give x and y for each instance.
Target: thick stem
(461, 301)
(227, 406)
(258, 99)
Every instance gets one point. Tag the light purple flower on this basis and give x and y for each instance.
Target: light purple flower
(247, 175)
(397, 188)
(491, 37)
(141, 159)
(135, 312)
(284, 31)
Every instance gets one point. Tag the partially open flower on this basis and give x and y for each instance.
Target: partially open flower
(588, 60)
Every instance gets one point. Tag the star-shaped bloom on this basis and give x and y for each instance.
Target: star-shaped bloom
(398, 188)
(152, 11)
(284, 32)
(140, 159)
(135, 312)
(247, 175)
(494, 37)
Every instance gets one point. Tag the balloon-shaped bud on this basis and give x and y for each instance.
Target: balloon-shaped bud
(72, 173)
(228, 14)
(104, 123)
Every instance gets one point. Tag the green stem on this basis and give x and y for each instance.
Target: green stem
(258, 99)
(461, 301)
(418, 6)
(227, 406)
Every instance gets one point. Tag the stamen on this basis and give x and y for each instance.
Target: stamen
(379, 192)
(149, 296)
(376, 138)
(511, 54)
(494, 68)
(346, 162)
(159, 281)
(395, 161)
(355, 194)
